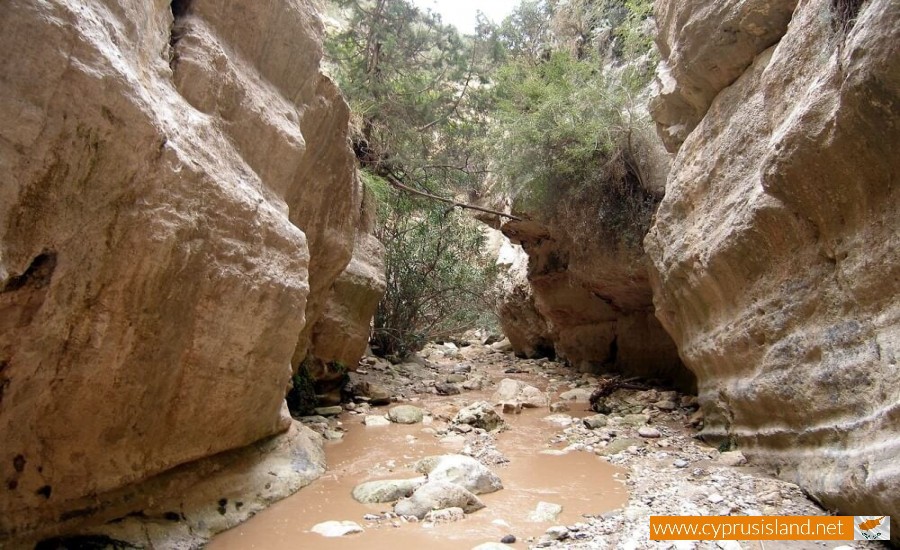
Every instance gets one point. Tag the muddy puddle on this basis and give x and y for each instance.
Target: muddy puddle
(579, 481)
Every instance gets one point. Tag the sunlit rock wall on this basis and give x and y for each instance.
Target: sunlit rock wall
(776, 250)
(177, 199)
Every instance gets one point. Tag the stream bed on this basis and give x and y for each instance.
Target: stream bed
(581, 483)
(609, 472)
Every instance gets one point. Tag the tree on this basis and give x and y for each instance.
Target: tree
(418, 100)
(567, 124)
(437, 275)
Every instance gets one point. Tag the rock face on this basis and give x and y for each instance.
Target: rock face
(724, 38)
(178, 197)
(520, 319)
(776, 251)
(342, 333)
(591, 299)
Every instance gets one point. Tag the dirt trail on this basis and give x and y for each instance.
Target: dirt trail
(608, 477)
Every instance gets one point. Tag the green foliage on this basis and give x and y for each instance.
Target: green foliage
(412, 83)
(636, 40)
(437, 276)
(526, 34)
(564, 140)
(301, 400)
(546, 100)
(377, 186)
(420, 101)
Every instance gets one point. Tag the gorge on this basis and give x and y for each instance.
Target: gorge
(184, 231)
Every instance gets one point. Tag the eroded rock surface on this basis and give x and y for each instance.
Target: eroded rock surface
(775, 250)
(438, 495)
(342, 333)
(721, 41)
(461, 470)
(177, 198)
(519, 317)
(589, 299)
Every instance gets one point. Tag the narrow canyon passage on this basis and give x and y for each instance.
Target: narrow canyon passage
(608, 473)
(229, 231)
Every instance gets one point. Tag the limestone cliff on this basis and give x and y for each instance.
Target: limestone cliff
(589, 299)
(177, 200)
(519, 317)
(776, 250)
(341, 334)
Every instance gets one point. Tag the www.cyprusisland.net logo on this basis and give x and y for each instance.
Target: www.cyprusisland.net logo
(872, 527)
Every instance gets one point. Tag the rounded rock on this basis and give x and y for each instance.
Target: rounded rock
(336, 528)
(649, 432)
(406, 414)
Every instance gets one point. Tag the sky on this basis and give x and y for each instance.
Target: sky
(462, 12)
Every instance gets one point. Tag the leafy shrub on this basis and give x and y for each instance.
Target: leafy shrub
(566, 142)
(301, 400)
(438, 275)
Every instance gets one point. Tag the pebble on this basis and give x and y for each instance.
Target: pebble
(648, 432)
(376, 421)
(596, 421)
(715, 499)
(329, 411)
(508, 539)
(557, 532)
(447, 389)
(462, 428)
(732, 458)
(681, 463)
(336, 528)
(545, 512)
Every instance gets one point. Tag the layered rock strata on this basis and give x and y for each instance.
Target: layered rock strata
(588, 301)
(775, 251)
(178, 197)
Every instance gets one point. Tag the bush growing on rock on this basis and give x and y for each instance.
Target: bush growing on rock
(584, 139)
(437, 273)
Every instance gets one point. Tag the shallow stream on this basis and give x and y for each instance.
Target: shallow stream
(581, 482)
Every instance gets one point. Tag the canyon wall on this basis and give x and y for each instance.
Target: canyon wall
(588, 300)
(342, 332)
(177, 201)
(776, 251)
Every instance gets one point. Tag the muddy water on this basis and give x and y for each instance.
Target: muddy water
(581, 482)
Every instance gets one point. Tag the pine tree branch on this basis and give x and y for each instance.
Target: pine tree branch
(395, 183)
